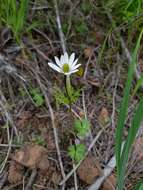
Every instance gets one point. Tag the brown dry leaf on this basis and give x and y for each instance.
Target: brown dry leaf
(15, 172)
(89, 170)
(32, 156)
(138, 148)
(104, 116)
(110, 183)
(88, 52)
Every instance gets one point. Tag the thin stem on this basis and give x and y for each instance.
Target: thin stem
(68, 86)
(69, 89)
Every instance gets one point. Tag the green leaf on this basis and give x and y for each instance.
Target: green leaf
(37, 97)
(77, 152)
(124, 106)
(136, 122)
(81, 127)
(138, 85)
(122, 156)
(139, 186)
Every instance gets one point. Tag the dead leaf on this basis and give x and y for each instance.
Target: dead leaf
(89, 170)
(32, 156)
(88, 52)
(104, 116)
(110, 183)
(15, 172)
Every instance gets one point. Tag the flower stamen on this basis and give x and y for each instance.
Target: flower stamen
(65, 68)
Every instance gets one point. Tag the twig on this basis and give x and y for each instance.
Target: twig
(8, 68)
(106, 172)
(76, 166)
(11, 187)
(12, 145)
(31, 180)
(9, 149)
(53, 123)
(75, 179)
(129, 58)
(3, 104)
(45, 36)
(61, 35)
(3, 179)
(127, 52)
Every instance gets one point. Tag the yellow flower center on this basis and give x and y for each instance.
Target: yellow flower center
(66, 68)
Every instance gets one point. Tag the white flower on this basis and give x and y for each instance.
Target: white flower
(66, 65)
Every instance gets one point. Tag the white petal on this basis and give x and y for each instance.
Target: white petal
(66, 58)
(56, 68)
(62, 60)
(75, 67)
(74, 63)
(73, 71)
(57, 61)
(71, 59)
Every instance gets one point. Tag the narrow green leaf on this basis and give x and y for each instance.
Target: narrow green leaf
(124, 107)
(122, 156)
(137, 119)
(138, 85)
(140, 187)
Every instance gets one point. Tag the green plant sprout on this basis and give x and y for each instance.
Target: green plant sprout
(77, 152)
(62, 98)
(38, 139)
(13, 14)
(81, 127)
(37, 97)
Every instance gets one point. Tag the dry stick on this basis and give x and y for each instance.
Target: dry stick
(45, 36)
(76, 166)
(75, 179)
(127, 53)
(3, 179)
(9, 150)
(53, 124)
(61, 35)
(9, 137)
(3, 104)
(31, 180)
(106, 172)
(129, 58)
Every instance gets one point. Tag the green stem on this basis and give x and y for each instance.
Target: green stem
(68, 86)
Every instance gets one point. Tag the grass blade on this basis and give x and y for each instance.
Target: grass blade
(137, 119)
(124, 106)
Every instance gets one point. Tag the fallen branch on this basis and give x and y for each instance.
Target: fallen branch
(61, 35)
(125, 49)
(3, 179)
(42, 87)
(106, 172)
(31, 180)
